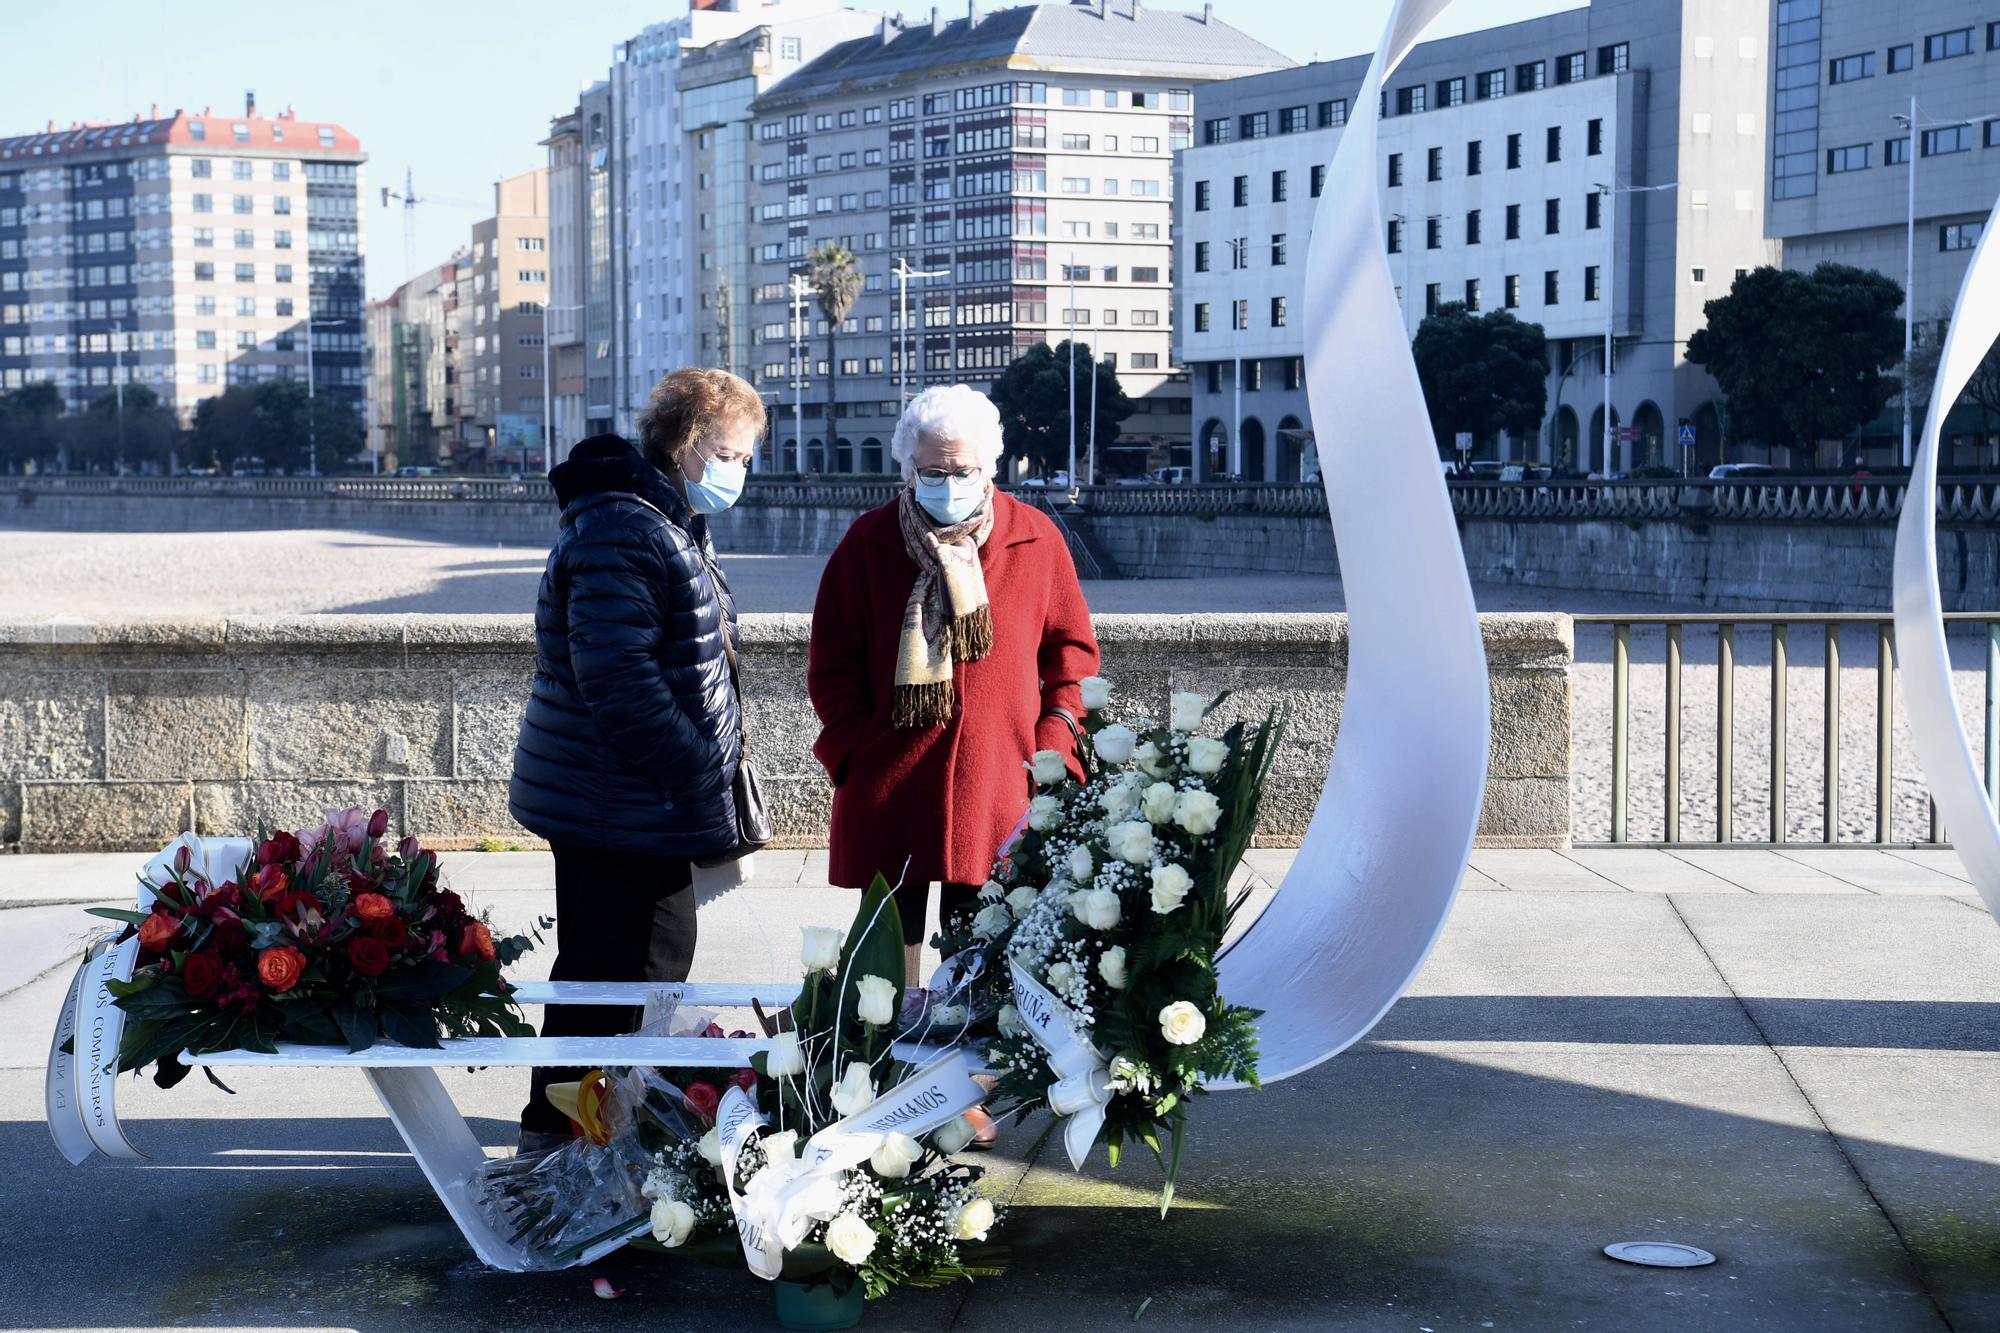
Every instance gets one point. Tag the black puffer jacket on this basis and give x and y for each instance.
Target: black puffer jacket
(631, 737)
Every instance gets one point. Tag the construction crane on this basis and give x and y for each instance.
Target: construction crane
(410, 199)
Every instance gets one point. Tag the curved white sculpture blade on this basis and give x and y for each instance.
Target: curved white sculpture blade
(1936, 730)
(1381, 860)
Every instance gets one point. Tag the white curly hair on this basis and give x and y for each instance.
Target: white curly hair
(954, 412)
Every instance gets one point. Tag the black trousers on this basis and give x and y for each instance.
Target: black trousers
(913, 900)
(619, 917)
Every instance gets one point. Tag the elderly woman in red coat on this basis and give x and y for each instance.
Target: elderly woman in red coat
(948, 642)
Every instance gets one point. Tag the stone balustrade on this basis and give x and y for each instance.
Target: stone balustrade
(116, 736)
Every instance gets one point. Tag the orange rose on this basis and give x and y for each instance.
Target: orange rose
(157, 931)
(476, 942)
(269, 882)
(373, 907)
(279, 968)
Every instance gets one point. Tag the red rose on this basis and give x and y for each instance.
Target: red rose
(367, 955)
(476, 941)
(745, 1079)
(702, 1099)
(373, 906)
(200, 973)
(294, 905)
(219, 901)
(229, 935)
(391, 931)
(269, 882)
(450, 904)
(279, 848)
(280, 968)
(157, 931)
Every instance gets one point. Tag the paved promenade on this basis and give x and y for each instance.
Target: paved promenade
(1786, 1058)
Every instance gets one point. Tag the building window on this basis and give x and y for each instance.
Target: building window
(1513, 232)
(1593, 210)
(1901, 58)
(1201, 256)
(1253, 376)
(1590, 283)
(1852, 158)
(1433, 233)
(204, 203)
(1896, 151)
(1277, 312)
(1240, 191)
(1698, 276)
(1201, 196)
(1593, 138)
(1513, 151)
(1239, 314)
(1551, 287)
(1959, 235)
(1949, 139)
(1472, 294)
(1254, 124)
(1279, 188)
(1531, 76)
(204, 272)
(1552, 217)
(1555, 143)
(1333, 113)
(1292, 120)
(1319, 178)
(201, 168)
(1413, 99)
(1475, 156)
(1472, 226)
(1993, 36)
(1219, 130)
(1201, 317)
(1395, 169)
(1569, 68)
(1434, 164)
(1795, 78)
(1945, 45)
(1451, 92)
(1395, 236)
(1614, 59)
(1993, 134)
(1491, 83)
(1512, 296)
(1278, 250)
(1849, 68)
(1433, 297)
(246, 273)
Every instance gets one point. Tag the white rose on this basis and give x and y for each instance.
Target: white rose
(821, 951)
(1009, 1019)
(1118, 802)
(1021, 899)
(1131, 841)
(991, 891)
(1205, 756)
(1081, 867)
(1060, 975)
(953, 1135)
(672, 1221)
(854, 1091)
(1096, 692)
(1170, 887)
(1045, 813)
(896, 1155)
(780, 1147)
(850, 1239)
(1188, 710)
(710, 1147)
(1096, 908)
(877, 1004)
(1124, 1073)
(1049, 767)
(1158, 802)
(1111, 966)
(785, 1059)
(1198, 812)
(1115, 743)
(991, 921)
(971, 1220)
(1153, 761)
(1182, 1024)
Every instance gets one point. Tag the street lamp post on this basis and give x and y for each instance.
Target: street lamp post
(904, 273)
(1611, 193)
(1239, 258)
(800, 289)
(1071, 266)
(549, 392)
(118, 385)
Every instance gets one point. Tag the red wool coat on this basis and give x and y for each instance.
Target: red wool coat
(942, 798)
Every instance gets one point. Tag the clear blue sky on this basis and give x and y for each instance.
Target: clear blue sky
(459, 93)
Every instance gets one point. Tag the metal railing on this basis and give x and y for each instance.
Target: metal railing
(1780, 628)
(1831, 499)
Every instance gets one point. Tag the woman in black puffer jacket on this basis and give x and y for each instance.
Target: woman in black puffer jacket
(633, 732)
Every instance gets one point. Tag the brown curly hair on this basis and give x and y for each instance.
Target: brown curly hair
(687, 406)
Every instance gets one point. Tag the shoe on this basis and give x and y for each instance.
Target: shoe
(985, 1130)
(535, 1143)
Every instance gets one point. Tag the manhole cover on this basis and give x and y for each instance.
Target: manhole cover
(1659, 1254)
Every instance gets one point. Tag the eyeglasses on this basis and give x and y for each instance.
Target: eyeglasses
(726, 459)
(948, 474)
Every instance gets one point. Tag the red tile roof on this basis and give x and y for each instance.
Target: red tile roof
(280, 134)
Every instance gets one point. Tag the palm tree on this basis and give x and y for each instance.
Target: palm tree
(836, 282)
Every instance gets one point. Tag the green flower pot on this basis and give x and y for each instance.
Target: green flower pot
(817, 1305)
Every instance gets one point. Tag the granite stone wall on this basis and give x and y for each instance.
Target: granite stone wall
(117, 736)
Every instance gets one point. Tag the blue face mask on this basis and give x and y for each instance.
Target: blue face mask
(719, 487)
(950, 500)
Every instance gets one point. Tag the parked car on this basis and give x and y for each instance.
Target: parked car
(1173, 476)
(1487, 471)
(1741, 471)
(1055, 481)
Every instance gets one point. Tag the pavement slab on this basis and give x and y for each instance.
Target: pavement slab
(1763, 871)
(1652, 872)
(1537, 868)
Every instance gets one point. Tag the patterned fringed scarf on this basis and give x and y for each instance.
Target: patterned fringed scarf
(947, 618)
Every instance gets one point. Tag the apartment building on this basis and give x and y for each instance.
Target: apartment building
(415, 372)
(1847, 78)
(185, 252)
(566, 267)
(510, 288)
(1598, 166)
(1019, 154)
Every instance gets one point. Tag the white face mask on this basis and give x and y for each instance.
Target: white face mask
(951, 499)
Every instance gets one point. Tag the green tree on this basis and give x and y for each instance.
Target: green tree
(836, 283)
(272, 423)
(1032, 394)
(96, 443)
(1981, 391)
(1481, 373)
(30, 426)
(1800, 356)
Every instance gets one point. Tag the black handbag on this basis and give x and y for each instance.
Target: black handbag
(746, 793)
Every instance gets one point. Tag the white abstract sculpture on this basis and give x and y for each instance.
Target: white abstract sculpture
(1936, 730)
(1381, 860)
